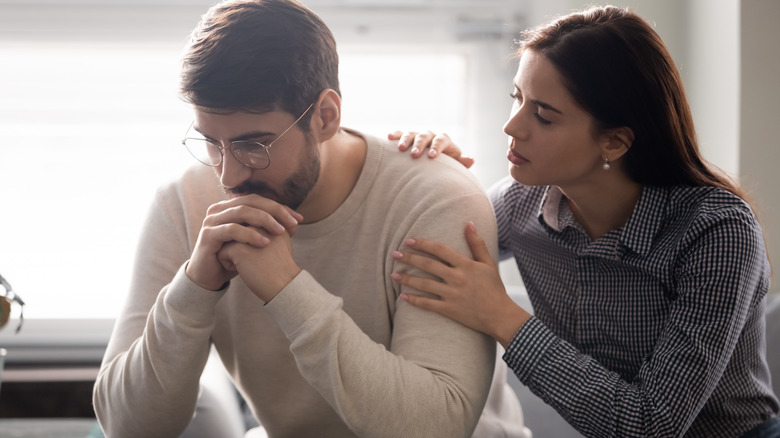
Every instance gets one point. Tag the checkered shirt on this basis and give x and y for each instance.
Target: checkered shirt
(654, 329)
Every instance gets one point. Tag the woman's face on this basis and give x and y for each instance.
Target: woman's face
(552, 140)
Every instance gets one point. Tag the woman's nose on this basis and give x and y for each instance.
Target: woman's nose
(516, 126)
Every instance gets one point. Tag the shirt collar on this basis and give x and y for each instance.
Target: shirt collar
(548, 209)
(640, 229)
(553, 211)
(645, 222)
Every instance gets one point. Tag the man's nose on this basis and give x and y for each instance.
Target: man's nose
(233, 172)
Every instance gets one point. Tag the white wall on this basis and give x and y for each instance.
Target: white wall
(759, 114)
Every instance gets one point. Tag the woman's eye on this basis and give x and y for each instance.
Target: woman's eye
(541, 119)
(516, 96)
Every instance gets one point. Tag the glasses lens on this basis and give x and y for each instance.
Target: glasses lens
(251, 153)
(204, 151)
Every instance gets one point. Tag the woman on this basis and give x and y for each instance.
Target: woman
(645, 267)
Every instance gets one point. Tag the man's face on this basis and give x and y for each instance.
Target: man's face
(295, 160)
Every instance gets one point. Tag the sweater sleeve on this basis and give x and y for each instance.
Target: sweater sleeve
(433, 379)
(160, 342)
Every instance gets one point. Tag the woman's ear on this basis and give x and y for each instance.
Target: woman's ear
(326, 120)
(617, 142)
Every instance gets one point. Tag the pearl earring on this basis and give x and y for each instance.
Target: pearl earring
(606, 165)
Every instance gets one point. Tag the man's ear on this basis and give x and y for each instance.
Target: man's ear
(616, 142)
(326, 119)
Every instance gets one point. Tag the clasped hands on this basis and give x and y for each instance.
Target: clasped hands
(246, 236)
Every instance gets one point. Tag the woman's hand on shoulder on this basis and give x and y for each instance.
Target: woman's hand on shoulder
(467, 290)
(418, 142)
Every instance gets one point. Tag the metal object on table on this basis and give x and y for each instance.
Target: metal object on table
(8, 298)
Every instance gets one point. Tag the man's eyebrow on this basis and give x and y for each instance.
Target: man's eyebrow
(245, 136)
(546, 106)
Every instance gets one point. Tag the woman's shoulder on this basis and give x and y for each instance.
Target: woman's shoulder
(708, 202)
(699, 211)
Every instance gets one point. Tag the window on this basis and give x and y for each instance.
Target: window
(91, 126)
(91, 131)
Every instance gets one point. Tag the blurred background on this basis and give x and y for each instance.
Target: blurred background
(90, 126)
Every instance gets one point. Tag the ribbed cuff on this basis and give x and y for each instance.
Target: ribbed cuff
(300, 304)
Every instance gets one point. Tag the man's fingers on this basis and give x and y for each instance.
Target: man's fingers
(254, 211)
(231, 232)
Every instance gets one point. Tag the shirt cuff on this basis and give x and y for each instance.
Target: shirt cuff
(303, 302)
(190, 300)
(527, 348)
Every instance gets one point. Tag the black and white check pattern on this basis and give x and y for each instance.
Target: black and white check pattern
(655, 329)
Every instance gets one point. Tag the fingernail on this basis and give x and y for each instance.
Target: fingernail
(410, 242)
(432, 153)
(415, 150)
(405, 297)
(395, 276)
(401, 144)
(398, 255)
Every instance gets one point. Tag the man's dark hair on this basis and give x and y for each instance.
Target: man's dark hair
(258, 56)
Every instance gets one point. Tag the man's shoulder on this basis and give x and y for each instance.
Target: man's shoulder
(197, 187)
(442, 174)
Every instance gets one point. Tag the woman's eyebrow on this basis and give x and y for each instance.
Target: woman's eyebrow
(546, 106)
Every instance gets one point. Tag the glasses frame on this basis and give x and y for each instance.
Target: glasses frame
(264, 147)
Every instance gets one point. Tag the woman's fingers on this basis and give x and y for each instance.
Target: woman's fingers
(435, 144)
(405, 139)
(478, 246)
(440, 143)
(437, 249)
(422, 262)
(421, 284)
(424, 303)
(420, 142)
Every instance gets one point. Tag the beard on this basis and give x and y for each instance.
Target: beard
(294, 189)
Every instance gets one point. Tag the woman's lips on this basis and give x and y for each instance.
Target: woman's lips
(515, 159)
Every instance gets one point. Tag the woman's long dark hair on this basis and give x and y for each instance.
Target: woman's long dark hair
(618, 69)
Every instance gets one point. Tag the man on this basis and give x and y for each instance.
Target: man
(281, 258)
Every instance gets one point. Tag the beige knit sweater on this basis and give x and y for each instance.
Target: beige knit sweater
(336, 353)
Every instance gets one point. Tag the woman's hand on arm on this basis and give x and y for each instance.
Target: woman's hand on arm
(435, 143)
(470, 291)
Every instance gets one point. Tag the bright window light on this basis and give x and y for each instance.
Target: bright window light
(89, 132)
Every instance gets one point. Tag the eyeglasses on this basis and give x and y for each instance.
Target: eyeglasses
(6, 299)
(249, 153)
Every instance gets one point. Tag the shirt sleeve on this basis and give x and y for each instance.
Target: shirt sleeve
(433, 379)
(160, 342)
(719, 277)
(503, 211)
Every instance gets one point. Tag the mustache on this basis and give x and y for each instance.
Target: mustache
(252, 187)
